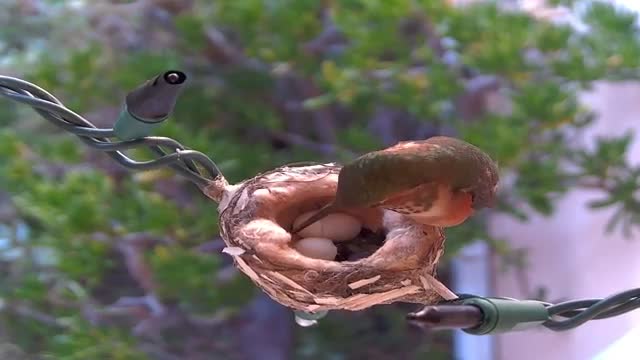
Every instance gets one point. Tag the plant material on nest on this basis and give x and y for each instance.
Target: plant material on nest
(398, 261)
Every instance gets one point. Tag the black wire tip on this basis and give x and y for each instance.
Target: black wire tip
(154, 100)
(441, 317)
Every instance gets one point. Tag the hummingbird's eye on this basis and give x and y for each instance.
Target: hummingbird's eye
(476, 201)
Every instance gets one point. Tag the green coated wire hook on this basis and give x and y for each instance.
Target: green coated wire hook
(145, 108)
(487, 316)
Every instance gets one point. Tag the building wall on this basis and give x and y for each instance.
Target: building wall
(572, 256)
(569, 253)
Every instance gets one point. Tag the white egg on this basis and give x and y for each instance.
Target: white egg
(317, 248)
(336, 226)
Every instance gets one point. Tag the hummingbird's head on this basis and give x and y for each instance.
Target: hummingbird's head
(485, 192)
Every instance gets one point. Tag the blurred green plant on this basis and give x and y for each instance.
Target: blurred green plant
(125, 255)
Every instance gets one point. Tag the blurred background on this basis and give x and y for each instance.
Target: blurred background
(98, 262)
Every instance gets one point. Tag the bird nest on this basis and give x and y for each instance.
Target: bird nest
(397, 264)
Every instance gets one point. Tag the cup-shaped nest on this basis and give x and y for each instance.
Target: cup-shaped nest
(256, 217)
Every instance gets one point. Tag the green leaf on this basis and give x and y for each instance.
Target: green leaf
(192, 31)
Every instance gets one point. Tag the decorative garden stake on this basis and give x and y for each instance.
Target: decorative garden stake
(365, 234)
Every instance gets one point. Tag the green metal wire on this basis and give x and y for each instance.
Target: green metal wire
(509, 312)
(193, 165)
(578, 312)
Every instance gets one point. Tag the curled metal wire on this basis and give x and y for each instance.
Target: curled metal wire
(578, 312)
(193, 165)
(451, 314)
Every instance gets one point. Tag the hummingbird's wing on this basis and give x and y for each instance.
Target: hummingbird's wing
(412, 200)
(433, 203)
(373, 177)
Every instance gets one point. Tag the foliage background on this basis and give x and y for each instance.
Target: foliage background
(100, 262)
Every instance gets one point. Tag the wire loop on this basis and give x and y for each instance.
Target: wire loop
(193, 165)
(475, 313)
(578, 312)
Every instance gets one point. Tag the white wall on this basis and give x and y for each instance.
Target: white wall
(472, 272)
(572, 256)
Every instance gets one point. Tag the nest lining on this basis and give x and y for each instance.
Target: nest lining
(255, 217)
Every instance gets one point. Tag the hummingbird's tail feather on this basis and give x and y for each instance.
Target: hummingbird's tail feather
(323, 212)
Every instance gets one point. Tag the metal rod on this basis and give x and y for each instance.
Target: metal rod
(447, 317)
(150, 103)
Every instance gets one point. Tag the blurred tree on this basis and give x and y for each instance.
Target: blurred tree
(98, 262)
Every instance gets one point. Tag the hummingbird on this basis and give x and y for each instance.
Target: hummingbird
(439, 181)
